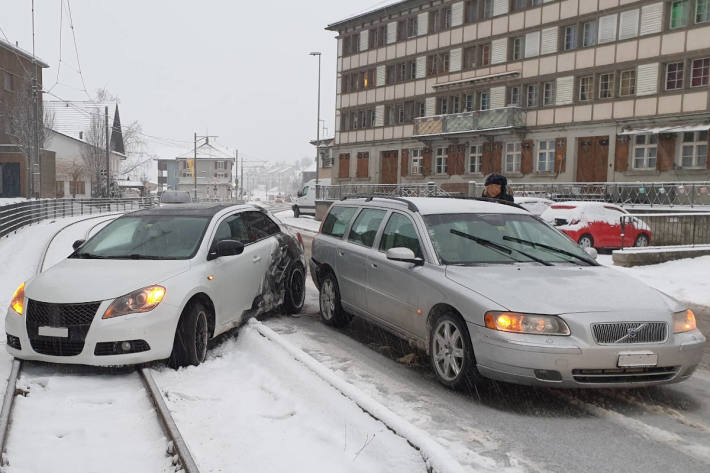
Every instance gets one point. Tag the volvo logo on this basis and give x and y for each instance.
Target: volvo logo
(632, 332)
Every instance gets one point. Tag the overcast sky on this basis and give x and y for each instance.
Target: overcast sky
(236, 69)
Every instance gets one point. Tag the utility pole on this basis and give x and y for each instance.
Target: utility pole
(241, 193)
(35, 187)
(236, 174)
(317, 53)
(108, 154)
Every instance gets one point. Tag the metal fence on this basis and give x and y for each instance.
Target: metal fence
(672, 229)
(429, 189)
(15, 216)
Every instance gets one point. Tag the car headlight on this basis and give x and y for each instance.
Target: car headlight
(142, 300)
(684, 321)
(18, 299)
(526, 323)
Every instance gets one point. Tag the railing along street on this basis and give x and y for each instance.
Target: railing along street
(671, 229)
(429, 189)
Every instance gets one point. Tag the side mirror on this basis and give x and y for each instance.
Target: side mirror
(226, 248)
(77, 244)
(403, 254)
(592, 252)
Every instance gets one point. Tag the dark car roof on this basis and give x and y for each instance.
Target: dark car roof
(191, 210)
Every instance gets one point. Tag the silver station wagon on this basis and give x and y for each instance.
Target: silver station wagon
(490, 290)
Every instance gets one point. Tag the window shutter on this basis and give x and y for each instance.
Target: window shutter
(455, 60)
(500, 7)
(423, 23)
(404, 163)
(429, 106)
(339, 85)
(344, 165)
(340, 47)
(652, 18)
(391, 32)
(526, 156)
(532, 44)
(560, 154)
(497, 97)
(364, 38)
(426, 161)
(665, 159)
(499, 51)
(457, 14)
(565, 89)
(380, 115)
(647, 79)
(607, 29)
(549, 41)
(421, 67)
(621, 156)
(629, 24)
(381, 71)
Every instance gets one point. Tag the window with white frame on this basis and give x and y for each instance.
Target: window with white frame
(442, 157)
(586, 88)
(531, 96)
(700, 70)
(569, 40)
(468, 102)
(589, 33)
(674, 75)
(545, 156)
(220, 165)
(628, 83)
(548, 93)
(517, 48)
(484, 100)
(606, 86)
(679, 13)
(694, 149)
(702, 11)
(511, 160)
(416, 161)
(475, 158)
(645, 150)
(515, 95)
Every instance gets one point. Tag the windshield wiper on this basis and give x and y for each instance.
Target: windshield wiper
(87, 256)
(533, 244)
(132, 256)
(506, 250)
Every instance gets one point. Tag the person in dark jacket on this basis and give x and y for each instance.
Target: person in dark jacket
(496, 187)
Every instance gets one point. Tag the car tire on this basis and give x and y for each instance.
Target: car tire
(586, 241)
(191, 336)
(451, 353)
(331, 310)
(641, 240)
(296, 211)
(295, 289)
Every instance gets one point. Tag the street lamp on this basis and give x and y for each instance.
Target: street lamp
(317, 53)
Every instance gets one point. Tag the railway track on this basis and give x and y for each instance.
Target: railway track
(176, 447)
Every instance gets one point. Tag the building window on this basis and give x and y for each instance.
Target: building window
(378, 37)
(485, 54)
(694, 149)
(442, 157)
(515, 95)
(471, 11)
(545, 156)
(674, 76)
(484, 100)
(586, 88)
(220, 165)
(437, 64)
(475, 158)
(531, 96)
(77, 187)
(589, 33)
(416, 161)
(628, 83)
(700, 72)
(569, 41)
(548, 93)
(468, 102)
(645, 149)
(60, 189)
(487, 9)
(440, 20)
(517, 48)
(679, 14)
(407, 28)
(469, 58)
(512, 157)
(606, 86)
(702, 11)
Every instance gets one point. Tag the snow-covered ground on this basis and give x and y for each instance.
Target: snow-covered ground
(306, 223)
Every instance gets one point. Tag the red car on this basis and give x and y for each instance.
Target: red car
(597, 224)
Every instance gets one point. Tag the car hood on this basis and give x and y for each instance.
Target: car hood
(87, 280)
(560, 289)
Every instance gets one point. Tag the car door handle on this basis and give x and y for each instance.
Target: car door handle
(341, 253)
(256, 259)
(374, 265)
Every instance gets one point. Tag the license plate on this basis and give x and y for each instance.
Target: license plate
(53, 331)
(637, 359)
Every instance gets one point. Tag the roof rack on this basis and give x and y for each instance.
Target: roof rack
(369, 197)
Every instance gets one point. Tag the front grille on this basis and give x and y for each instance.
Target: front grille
(75, 317)
(625, 375)
(115, 348)
(630, 332)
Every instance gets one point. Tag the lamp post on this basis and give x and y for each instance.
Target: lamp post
(317, 53)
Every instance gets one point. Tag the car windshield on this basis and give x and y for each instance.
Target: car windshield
(146, 237)
(513, 231)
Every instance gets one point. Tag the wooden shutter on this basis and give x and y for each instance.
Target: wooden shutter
(426, 161)
(455, 60)
(421, 67)
(381, 75)
(344, 166)
(430, 106)
(665, 158)
(647, 79)
(652, 19)
(499, 51)
(526, 156)
(363, 165)
(340, 47)
(532, 44)
(404, 163)
(629, 24)
(549, 41)
(364, 38)
(607, 29)
(497, 157)
(392, 32)
(497, 97)
(565, 89)
(451, 160)
(457, 14)
(486, 159)
(500, 7)
(423, 24)
(380, 115)
(560, 155)
(621, 156)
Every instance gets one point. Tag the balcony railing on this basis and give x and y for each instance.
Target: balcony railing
(479, 120)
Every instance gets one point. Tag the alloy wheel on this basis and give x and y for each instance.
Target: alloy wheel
(327, 299)
(449, 353)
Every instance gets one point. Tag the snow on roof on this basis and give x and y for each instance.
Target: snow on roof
(25, 54)
(130, 184)
(73, 119)
(442, 205)
(376, 8)
(585, 203)
(207, 151)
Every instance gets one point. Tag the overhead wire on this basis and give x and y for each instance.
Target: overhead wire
(76, 49)
(61, 25)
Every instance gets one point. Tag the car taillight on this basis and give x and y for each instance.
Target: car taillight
(300, 238)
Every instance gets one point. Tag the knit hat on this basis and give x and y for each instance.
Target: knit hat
(496, 179)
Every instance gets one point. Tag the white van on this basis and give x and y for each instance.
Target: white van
(305, 202)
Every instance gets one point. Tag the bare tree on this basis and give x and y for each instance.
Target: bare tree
(94, 153)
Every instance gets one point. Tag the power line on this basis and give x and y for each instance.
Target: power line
(76, 49)
(61, 23)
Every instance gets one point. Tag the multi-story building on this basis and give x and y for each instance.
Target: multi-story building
(213, 171)
(540, 90)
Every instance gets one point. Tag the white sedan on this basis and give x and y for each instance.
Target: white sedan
(158, 284)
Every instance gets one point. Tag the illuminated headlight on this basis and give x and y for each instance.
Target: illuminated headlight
(526, 323)
(18, 299)
(684, 321)
(142, 300)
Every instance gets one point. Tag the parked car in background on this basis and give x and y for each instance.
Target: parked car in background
(534, 205)
(490, 290)
(597, 224)
(158, 284)
(175, 197)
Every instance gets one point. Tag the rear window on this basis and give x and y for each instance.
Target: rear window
(561, 214)
(337, 221)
